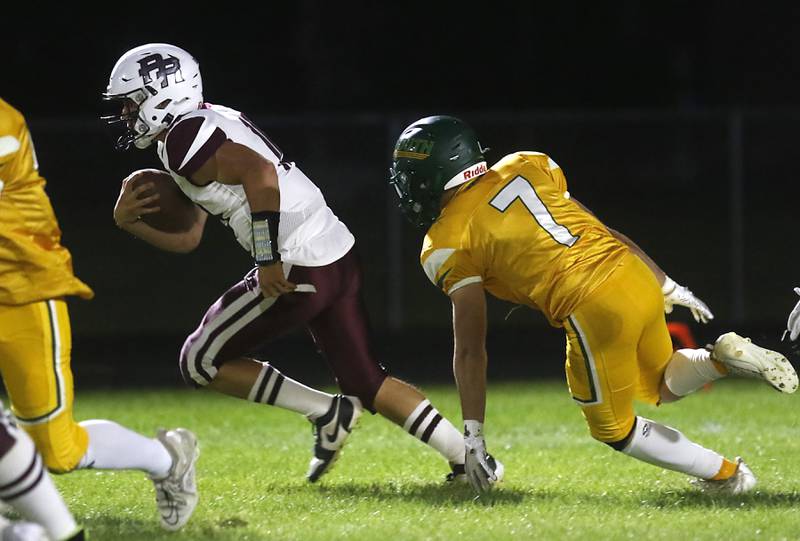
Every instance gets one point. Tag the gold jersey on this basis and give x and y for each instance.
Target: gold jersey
(516, 230)
(33, 264)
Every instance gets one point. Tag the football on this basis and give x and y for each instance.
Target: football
(177, 212)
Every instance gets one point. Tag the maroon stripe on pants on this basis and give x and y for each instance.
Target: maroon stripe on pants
(216, 311)
(334, 315)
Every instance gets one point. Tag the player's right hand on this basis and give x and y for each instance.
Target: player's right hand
(793, 324)
(476, 464)
(272, 281)
(682, 296)
(132, 205)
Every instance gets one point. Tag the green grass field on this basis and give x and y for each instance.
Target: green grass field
(560, 484)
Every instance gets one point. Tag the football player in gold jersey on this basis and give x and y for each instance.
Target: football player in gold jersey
(514, 230)
(35, 343)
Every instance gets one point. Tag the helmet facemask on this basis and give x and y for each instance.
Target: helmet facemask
(419, 199)
(128, 119)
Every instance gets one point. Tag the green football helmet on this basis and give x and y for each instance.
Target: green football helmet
(432, 155)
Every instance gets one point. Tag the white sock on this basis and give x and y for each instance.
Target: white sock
(666, 447)
(114, 447)
(273, 388)
(27, 487)
(688, 370)
(427, 424)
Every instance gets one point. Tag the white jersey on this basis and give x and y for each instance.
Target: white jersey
(310, 234)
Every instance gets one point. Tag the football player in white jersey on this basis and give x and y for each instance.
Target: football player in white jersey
(231, 170)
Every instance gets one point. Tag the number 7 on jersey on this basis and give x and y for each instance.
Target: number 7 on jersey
(520, 188)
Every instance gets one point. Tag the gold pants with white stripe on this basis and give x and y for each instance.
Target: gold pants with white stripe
(35, 349)
(618, 347)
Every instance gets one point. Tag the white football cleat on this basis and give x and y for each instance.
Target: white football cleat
(741, 482)
(330, 433)
(743, 358)
(176, 494)
(459, 475)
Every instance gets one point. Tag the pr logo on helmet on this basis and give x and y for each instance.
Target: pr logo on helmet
(164, 67)
(415, 149)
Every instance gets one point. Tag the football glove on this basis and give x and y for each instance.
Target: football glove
(479, 472)
(680, 295)
(793, 324)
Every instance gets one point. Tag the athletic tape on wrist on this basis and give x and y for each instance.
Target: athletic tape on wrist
(473, 428)
(265, 236)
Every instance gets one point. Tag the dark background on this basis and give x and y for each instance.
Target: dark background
(676, 122)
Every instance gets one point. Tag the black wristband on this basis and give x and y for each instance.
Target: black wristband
(264, 225)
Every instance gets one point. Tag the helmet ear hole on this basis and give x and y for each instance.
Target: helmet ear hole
(163, 105)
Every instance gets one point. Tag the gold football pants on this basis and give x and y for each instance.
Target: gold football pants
(618, 347)
(35, 349)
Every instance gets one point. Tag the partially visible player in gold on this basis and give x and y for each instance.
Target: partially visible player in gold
(514, 230)
(35, 341)
(35, 276)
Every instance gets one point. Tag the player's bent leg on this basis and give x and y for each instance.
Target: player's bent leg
(26, 486)
(216, 355)
(614, 423)
(668, 448)
(743, 358)
(243, 321)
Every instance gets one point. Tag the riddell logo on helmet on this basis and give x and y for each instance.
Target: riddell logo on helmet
(471, 172)
(479, 169)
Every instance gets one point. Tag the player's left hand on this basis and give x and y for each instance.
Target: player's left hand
(682, 296)
(272, 281)
(793, 324)
(476, 465)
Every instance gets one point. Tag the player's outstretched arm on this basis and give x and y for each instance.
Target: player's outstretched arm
(131, 206)
(469, 350)
(469, 368)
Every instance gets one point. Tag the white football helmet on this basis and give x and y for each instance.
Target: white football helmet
(163, 81)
